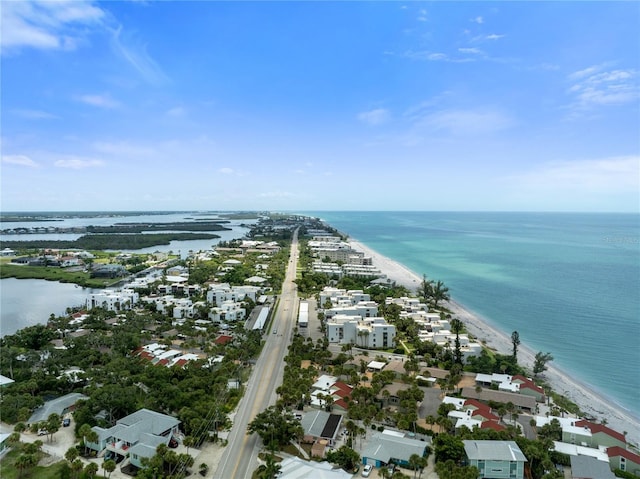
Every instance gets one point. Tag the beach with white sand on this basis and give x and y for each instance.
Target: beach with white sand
(590, 402)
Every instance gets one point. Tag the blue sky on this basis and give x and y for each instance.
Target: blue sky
(320, 106)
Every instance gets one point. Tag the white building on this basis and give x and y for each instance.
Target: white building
(364, 332)
(113, 300)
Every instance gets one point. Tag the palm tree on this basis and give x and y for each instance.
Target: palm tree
(269, 469)
(439, 293)
(109, 466)
(25, 461)
(414, 463)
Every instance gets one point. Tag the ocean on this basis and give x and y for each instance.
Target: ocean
(568, 283)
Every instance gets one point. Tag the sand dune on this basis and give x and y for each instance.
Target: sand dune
(589, 400)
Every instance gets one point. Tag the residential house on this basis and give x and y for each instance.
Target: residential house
(60, 406)
(602, 435)
(623, 459)
(4, 443)
(495, 459)
(585, 467)
(527, 403)
(136, 436)
(319, 425)
(392, 447)
(296, 468)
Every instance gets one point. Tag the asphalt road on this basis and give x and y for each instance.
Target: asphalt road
(240, 458)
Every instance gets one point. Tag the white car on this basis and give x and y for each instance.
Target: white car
(367, 470)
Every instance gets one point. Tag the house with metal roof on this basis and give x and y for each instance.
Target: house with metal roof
(61, 406)
(388, 447)
(495, 459)
(321, 425)
(136, 436)
(585, 467)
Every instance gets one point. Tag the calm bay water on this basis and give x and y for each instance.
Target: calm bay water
(28, 302)
(568, 283)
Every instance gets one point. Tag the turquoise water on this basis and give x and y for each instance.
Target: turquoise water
(568, 283)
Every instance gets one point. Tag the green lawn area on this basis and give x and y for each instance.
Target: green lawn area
(8, 270)
(9, 471)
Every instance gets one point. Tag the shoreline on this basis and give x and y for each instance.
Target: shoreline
(590, 401)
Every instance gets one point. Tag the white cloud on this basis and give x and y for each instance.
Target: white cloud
(57, 25)
(475, 51)
(374, 117)
(20, 160)
(479, 20)
(77, 163)
(34, 114)
(101, 101)
(615, 175)
(491, 36)
(593, 87)
(135, 53)
(226, 171)
(123, 149)
(435, 57)
(177, 112)
(465, 122)
(276, 194)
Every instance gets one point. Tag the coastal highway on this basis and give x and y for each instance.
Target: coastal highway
(240, 457)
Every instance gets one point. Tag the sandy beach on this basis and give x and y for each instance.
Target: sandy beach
(589, 401)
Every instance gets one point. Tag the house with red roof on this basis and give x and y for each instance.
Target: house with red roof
(223, 339)
(529, 388)
(600, 435)
(623, 459)
(341, 393)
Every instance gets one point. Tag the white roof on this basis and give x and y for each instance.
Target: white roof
(468, 422)
(324, 382)
(296, 468)
(457, 402)
(376, 365)
(5, 380)
(573, 450)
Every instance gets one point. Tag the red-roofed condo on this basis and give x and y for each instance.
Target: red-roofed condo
(600, 434)
(621, 458)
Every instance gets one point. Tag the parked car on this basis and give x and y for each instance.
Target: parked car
(173, 443)
(367, 470)
(42, 432)
(66, 422)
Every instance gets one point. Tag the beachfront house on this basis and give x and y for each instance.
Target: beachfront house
(495, 459)
(623, 459)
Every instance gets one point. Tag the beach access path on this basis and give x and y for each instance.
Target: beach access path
(561, 382)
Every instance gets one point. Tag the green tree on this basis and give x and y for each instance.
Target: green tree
(91, 469)
(71, 454)
(52, 425)
(439, 293)
(276, 427)
(515, 342)
(344, 457)
(109, 466)
(270, 469)
(448, 447)
(540, 362)
(24, 462)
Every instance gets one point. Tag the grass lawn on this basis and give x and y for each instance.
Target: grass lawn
(8, 470)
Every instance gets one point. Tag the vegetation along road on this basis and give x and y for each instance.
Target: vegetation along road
(240, 458)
